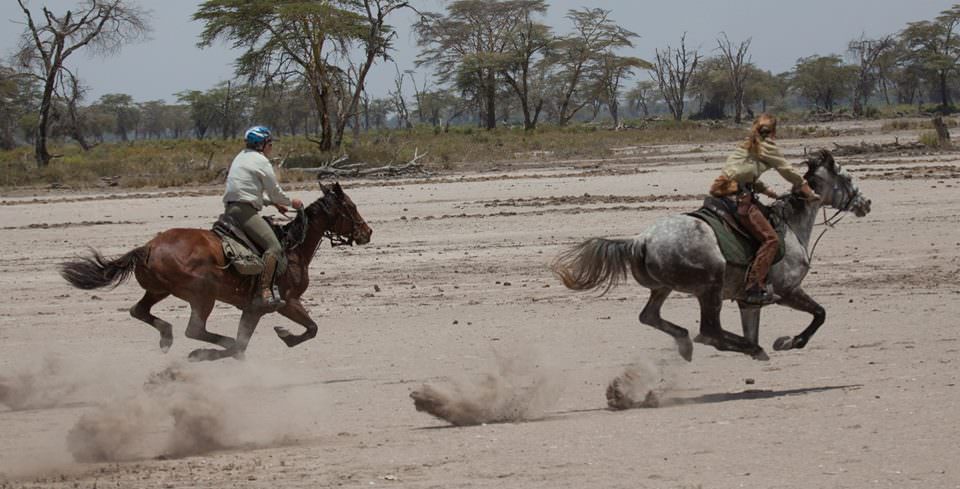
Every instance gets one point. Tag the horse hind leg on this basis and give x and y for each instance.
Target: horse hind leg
(197, 330)
(651, 317)
(711, 332)
(141, 311)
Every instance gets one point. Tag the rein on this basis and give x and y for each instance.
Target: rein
(828, 225)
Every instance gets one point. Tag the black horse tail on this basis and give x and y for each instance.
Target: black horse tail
(597, 262)
(95, 271)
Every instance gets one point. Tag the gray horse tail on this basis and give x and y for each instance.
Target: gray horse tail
(96, 271)
(597, 262)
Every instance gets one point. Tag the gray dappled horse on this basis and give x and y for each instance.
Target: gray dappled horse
(681, 252)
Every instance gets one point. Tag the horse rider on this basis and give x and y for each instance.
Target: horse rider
(251, 184)
(740, 179)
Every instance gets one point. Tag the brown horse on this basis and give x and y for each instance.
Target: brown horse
(189, 264)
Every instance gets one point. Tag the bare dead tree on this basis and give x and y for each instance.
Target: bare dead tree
(72, 92)
(737, 63)
(399, 102)
(103, 26)
(867, 53)
(672, 71)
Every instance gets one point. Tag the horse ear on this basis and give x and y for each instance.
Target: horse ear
(337, 189)
(826, 159)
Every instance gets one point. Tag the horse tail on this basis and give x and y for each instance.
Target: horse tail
(95, 271)
(597, 262)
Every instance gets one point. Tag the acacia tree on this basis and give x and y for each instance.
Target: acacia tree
(470, 46)
(576, 57)
(823, 79)
(305, 39)
(611, 71)
(100, 25)
(737, 63)
(523, 72)
(17, 98)
(673, 71)
(935, 45)
(867, 54)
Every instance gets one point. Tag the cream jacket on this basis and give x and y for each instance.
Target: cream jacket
(746, 168)
(251, 179)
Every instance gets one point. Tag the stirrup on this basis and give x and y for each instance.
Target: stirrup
(760, 296)
(261, 303)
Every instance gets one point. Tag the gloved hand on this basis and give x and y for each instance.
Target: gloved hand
(807, 193)
(770, 193)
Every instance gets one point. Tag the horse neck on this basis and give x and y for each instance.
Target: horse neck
(316, 228)
(802, 221)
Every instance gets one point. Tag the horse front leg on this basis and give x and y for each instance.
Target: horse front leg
(799, 300)
(295, 311)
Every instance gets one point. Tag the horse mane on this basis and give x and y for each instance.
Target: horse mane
(294, 232)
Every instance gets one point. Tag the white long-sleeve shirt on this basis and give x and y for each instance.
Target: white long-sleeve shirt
(251, 179)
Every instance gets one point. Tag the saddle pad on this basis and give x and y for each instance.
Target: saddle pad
(736, 248)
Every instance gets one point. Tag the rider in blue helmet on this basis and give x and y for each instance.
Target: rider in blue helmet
(251, 184)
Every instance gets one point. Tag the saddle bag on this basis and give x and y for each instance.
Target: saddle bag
(244, 261)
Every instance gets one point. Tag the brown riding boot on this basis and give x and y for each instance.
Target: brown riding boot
(754, 221)
(266, 297)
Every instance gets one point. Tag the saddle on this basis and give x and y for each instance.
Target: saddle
(240, 251)
(244, 254)
(736, 243)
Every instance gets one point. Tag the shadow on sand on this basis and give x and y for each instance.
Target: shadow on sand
(751, 394)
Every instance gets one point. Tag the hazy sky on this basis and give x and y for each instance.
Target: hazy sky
(782, 31)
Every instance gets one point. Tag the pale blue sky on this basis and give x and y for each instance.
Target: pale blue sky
(782, 31)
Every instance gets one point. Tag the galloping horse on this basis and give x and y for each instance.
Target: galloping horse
(681, 252)
(190, 264)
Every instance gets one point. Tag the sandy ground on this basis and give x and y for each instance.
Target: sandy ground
(454, 291)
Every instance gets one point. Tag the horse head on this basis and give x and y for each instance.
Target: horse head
(344, 220)
(835, 185)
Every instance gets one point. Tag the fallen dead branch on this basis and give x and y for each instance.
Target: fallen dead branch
(864, 147)
(341, 168)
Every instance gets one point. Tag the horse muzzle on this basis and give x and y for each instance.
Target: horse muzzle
(362, 235)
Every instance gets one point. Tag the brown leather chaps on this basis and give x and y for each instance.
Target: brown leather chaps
(754, 221)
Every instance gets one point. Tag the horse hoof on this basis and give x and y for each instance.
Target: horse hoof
(165, 344)
(761, 356)
(706, 340)
(203, 354)
(685, 347)
(783, 343)
(281, 331)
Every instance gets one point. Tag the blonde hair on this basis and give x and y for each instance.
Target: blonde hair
(764, 127)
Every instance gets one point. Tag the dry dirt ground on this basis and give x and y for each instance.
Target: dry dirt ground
(454, 292)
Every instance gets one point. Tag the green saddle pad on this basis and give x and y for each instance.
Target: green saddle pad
(737, 249)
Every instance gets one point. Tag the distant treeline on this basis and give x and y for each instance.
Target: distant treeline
(485, 63)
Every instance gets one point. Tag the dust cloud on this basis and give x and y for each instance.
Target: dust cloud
(192, 409)
(642, 384)
(519, 390)
(46, 386)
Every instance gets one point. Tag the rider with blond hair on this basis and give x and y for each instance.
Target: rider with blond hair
(740, 178)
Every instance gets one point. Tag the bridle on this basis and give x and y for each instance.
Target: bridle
(335, 238)
(837, 216)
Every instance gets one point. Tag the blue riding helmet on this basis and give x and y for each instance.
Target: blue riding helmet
(258, 136)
